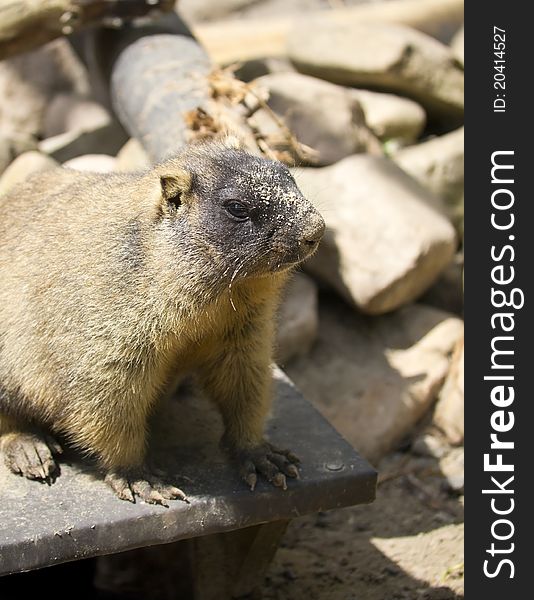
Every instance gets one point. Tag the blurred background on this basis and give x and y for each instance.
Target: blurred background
(364, 99)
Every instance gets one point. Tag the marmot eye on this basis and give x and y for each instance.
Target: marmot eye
(237, 210)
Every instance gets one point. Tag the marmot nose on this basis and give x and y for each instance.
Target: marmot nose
(314, 230)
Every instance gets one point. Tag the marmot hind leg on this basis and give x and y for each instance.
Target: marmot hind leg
(27, 451)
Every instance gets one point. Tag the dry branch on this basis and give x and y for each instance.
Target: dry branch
(25, 24)
(160, 85)
(166, 91)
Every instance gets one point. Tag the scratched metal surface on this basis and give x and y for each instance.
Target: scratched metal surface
(79, 517)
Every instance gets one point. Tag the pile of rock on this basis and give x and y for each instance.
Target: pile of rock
(381, 106)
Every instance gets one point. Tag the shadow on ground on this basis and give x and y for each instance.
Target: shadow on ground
(407, 545)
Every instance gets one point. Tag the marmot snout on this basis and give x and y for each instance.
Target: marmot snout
(114, 284)
(250, 210)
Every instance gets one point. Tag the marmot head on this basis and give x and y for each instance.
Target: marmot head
(248, 211)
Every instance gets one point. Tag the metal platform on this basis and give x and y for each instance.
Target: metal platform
(79, 517)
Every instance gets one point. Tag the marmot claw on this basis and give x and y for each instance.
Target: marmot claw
(271, 462)
(31, 455)
(145, 485)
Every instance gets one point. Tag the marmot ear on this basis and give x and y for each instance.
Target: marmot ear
(174, 185)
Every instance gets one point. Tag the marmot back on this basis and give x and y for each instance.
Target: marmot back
(114, 283)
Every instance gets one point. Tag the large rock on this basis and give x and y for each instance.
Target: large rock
(449, 413)
(132, 157)
(107, 138)
(321, 115)
(29, 81)
(391, 117)
(447, 293)
(266, 34)
(249, 70)
(439, 166)
(11, 145)
(22, 167)
(94, 163)
(209, 10)
(452, 467)
(457, 46)
(384, 244)
(375, 378)
(382, 56)
(297, 319)
(71, 112)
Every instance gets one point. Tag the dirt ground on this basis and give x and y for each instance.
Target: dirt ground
(407, 545)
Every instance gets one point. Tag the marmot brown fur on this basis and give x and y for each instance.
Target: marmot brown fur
(113, 283)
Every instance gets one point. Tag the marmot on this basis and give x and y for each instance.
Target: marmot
(113, 283)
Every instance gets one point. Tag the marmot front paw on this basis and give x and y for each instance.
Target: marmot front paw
(141, 482)
(32, 455)
(268, 460)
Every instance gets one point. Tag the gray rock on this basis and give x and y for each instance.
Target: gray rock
(258, 67)
(209, 10)
(321, 115)
(22, 167)
(438, 165)
(132, 157)
(297, 319)
(375, 378)
(452, 467)
(391, 117)
(447, 292)
(384, 244)
(449, 413)
(94, 163)
(457, 46)
(428, 444)
(29, 81)
(382, 56)
(108, 139)
(70, 112)
(12, 145)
